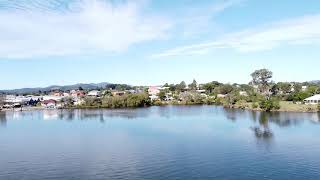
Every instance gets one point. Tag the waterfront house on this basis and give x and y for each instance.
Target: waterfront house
(50, 104)
(94, 93)
(313, 99)
(153, 92)
(118, 93)
(77, 93)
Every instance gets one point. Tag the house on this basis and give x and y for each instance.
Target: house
(313, 100)
(50, 104)
(94, 93)
(201, 91)
(56, 98)
(118, 93)
(243, 93)
(304, 88)
(77, 93)
(221, 95)
(153, 92)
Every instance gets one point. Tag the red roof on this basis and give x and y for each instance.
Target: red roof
(49, 101)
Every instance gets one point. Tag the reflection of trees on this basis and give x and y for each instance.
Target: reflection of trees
(231, 114)
(3, 119)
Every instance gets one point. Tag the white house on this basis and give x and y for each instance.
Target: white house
(94, 93)
(304, 88)
(313, 100)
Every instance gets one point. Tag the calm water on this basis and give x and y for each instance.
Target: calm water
(193, 142)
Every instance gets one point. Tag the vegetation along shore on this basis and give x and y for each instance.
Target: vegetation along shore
(261, 94)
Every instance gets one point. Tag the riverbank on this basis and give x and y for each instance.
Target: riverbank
(285, 106)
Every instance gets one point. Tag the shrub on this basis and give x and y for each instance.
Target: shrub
(255, 105)
(269, 105)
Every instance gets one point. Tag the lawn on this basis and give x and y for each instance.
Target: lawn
(291, 107)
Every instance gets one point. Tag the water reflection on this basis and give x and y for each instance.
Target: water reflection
(3, 119)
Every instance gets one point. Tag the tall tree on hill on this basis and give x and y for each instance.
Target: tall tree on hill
(262, 78)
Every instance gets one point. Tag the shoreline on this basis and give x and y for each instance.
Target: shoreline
(93, 107)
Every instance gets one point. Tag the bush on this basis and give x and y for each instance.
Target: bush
(255, 105)
(269, 105)
(318, 107)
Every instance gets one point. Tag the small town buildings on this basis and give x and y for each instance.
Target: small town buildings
(118, 93)
(50, 104)
(153, 92)
(77, 93)
(313, 99)
(94, 93)
(56, 98)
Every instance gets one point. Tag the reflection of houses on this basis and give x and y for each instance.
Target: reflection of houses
(313, 100)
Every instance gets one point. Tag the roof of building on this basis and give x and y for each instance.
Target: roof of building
(315, 97)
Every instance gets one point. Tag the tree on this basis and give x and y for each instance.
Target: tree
(166, 85)
(285, 87)
(193, 85)
(80, 88)
(2, 99)
(162, 95)
(262, 78)
(225, 89)
(270, 104)
(181, 86)
(297, 87)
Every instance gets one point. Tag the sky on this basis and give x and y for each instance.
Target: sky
(151, 42)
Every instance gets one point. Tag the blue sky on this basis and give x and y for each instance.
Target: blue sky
(150, 42)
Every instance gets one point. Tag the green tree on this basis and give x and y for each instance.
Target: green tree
(269, 104)
(285, 87)
(162, 95)
(225, 89)
(313, 89)
(297, 87)
(209, 87)
(193, 85)
(262, 78)
(181, 86)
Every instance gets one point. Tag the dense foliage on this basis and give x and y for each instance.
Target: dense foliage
(125, 101)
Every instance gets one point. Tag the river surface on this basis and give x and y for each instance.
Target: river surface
(172, 142)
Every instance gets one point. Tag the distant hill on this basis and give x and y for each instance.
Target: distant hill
(315, 82)
(63, 88)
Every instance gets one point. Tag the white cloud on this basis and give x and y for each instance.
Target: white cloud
(85, 26)
(299, 31)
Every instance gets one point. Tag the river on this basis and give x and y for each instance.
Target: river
(170, 142)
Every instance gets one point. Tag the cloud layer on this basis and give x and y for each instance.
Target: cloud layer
(53, 27)
(303, 30)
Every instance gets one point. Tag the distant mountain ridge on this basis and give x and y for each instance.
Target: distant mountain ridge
(86, 86)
